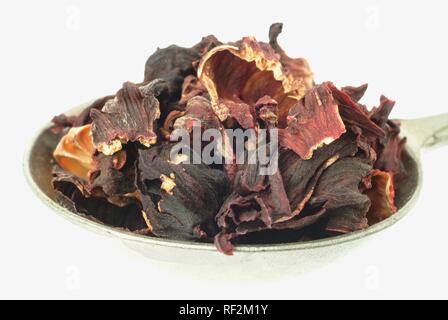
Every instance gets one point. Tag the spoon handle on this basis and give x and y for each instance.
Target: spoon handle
(427, 133)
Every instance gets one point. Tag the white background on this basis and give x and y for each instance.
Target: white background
(58, 54)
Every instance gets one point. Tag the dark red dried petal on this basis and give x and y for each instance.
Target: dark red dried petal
(380, 115)
(298, 67)
(314, 122)
(115, 175)
(174, 63)
(355, 93)
(239, 111)
(72, 194)
(191, 87)
(198, 109)
(179, 198)
(355, 114)
(245, 71)
(63, 121)
(131, 117)
(301, 176)
(257, 202)
(338, 191)
(390, 152)
(266, 109)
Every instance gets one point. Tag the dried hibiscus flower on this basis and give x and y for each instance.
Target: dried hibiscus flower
(338, 168)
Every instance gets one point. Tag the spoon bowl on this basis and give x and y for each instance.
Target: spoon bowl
(301, 256)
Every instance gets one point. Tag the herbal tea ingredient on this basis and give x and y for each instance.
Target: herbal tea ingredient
(338, 162)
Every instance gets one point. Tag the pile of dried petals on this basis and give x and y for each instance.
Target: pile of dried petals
(338, 161)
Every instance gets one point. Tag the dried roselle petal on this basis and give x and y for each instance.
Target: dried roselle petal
(130, 117)
(266, 109)
(338, 192)
(168, 124)
(355, 114)
(355, 93)
(380, 115)
(191, 87)
(99, 209)
(63, 179)
(301, 222)
(390, 147)
(241, 112)
(179, 199)
(243, 72)
(381, 192)
(298, 67)
(174, 63)
(75, 150)
(115, 175)
(63, 121)
(313, 122)
(366, 145)
(256, 203)
(301, 176)
(390, 154)
(198, 109)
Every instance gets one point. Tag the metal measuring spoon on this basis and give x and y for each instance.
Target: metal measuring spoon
(422, 134)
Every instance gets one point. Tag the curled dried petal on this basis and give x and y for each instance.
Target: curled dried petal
(298, 67)
(168, 124)
(59, 123)
(355, 114)
(267, 111)
(301, 176)
(174, 63)
(114, 175)
(131, 117)
(338, 192)
(315, 121)
(390, 157)
(198, 109)
(256, 203)
(75, 150)
(191, 87)
(382, 196)
(245, 72)
(355, 93)
(179, 198)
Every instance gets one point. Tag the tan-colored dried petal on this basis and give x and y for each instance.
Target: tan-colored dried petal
(148, 223)
(168, 183)
(382, 196)
(75, 150)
